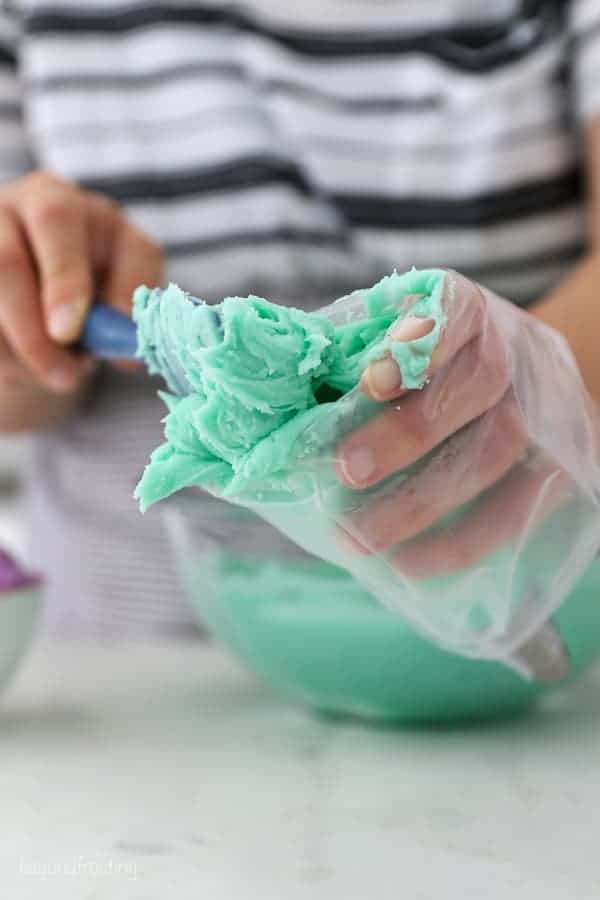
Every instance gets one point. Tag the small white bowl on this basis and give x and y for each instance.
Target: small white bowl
(18, 613)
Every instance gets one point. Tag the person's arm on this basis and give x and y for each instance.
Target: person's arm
(573, 308)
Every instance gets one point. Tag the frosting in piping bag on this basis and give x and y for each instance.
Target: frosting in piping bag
(265, 381)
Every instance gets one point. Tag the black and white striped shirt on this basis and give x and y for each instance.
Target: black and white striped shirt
(293, 150)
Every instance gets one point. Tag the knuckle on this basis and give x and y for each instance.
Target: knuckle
(409, 427)
(40, 180)
(50, 210)
(103, 202)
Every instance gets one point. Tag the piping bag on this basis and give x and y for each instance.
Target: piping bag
(109, 334)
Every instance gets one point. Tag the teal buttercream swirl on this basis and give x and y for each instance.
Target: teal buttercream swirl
(263, 381)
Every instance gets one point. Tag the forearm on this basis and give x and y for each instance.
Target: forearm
(574, 310)
(26, 406)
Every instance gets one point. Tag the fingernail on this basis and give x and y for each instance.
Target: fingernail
(62, 380)
(65, 321)
(358, 465)
(384, 377)
(411, 329)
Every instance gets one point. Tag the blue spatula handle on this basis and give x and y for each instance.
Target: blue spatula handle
(108, 334)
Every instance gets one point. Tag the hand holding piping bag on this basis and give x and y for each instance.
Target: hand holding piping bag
(473, 495)
(499, 386)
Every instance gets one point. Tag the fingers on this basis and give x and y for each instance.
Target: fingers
(469, 463)
(135, 259)
(54, 219)
(472, 382)
(464, 305)
(21, 320)
(60, 248)
(382, 380)
(521, 501)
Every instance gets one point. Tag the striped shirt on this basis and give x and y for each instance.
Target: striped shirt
(295, 150)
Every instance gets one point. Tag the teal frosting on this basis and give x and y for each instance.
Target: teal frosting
(264, 379)
(316, 635)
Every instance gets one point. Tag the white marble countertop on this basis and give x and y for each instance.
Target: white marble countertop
(135, 773)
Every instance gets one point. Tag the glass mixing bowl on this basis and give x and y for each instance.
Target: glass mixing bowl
(311, 631)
